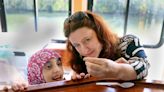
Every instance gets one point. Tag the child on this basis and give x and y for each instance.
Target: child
(44, 66)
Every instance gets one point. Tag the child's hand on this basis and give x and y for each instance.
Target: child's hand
(80, 76)
(19, 86)
(16, 87)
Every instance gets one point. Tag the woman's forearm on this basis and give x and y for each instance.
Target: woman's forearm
(126, 72)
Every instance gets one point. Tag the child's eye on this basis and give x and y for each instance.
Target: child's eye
(48, 66)
(58, 62)
(58, 59)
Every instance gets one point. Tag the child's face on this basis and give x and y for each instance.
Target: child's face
(53, 71)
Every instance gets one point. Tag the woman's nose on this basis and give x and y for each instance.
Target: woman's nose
(85, 50)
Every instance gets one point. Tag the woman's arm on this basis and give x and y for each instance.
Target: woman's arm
(134, 53)
(106, 68)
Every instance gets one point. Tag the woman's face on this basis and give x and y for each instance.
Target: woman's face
(52, 70)
(86, 42)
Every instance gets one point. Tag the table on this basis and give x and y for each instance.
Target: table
(89, 85)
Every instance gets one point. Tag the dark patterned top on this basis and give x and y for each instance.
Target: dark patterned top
(132, 50)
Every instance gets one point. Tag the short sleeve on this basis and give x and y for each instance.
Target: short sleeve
(133, 51)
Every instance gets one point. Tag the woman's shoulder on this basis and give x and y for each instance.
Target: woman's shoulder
(128, 38)
(128, 44)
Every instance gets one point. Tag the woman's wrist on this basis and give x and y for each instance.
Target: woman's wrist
(126, 72)
(114, 71)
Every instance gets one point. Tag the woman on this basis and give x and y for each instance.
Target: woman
(95, 50)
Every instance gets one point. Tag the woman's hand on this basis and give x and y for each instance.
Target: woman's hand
(101, 67)
(106, 68)
(80, 76)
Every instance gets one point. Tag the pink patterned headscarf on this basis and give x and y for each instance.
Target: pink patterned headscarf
(36, 63)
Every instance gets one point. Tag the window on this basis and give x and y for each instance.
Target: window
(22, 22)
(51, 16)
(145, 20)
(113, 11)
(19, 15)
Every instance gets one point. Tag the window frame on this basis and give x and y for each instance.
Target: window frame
(3, 16)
